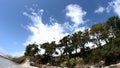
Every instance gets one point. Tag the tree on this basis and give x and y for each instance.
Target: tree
(31, 50)
(85, 39)
(113, 22)
(96, 33)
(105, 33)
(60, 48)
(114, 25)
(65, 41)
(49, 49)
(74, 39)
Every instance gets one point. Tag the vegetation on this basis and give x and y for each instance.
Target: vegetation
(107, 32)
(19, 60)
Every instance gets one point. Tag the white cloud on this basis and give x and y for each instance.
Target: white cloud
(100, 9)
(41, 32)
(115, 5)
(75, 13)
(55, 31)
(108, 8)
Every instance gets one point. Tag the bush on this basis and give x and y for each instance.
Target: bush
(19, 60)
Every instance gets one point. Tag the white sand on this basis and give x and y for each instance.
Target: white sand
(26, 64)
(113, 66)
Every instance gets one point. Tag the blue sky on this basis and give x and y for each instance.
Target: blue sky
(28, 21)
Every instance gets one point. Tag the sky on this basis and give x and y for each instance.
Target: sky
(37, 21)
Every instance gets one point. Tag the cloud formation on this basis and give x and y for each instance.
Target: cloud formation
(115, 5)
(100, 9)
(41, 33)
(75, 13)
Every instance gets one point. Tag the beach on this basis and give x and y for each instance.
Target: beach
(6, 63)
(26, 64)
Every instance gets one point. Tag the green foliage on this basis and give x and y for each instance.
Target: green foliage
(31, 50)
(113, 22)
(49, 47)
(109, 32)
(99, 32)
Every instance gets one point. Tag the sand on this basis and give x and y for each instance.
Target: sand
(26, 64)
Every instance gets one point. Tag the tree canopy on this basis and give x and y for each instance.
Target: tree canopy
(107, 32)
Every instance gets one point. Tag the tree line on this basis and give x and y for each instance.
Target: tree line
(73, 46)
